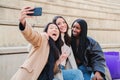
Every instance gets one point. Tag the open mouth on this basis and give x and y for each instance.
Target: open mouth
(54, 34)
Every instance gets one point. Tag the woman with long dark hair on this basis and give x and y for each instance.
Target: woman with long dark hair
(69, 72)
(88, 53)
(42, 60)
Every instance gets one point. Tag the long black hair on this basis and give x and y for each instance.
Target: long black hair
(66, 37)
(83, 41)
(55, 45)
(54, 52)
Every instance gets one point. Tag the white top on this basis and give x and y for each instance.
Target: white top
(65, 49)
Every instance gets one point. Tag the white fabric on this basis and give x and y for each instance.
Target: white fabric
(65, 49)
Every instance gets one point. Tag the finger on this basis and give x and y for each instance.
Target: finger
(30, 9)
(22, 18)
(29, 12)
(94, 78)
(23, 12)
(64, 55)
(99, 78)
(27, 9)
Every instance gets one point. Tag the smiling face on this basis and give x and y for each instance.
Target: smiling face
(76, 29)
(53, 31)
(62, 25)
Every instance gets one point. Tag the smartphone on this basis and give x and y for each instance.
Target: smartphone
(37, 11)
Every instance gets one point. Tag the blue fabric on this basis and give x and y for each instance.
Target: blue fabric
(72, 74)
(56, 79)
(87, 74)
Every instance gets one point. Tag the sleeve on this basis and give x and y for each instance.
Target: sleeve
(21, 27)
(31, 35)
(98, 59)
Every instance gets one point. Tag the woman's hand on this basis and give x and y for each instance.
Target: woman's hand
(97, 76)
(62, 57)
(23, 14)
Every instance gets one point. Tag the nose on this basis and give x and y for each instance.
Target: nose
(73, 28)
(62, 24)
(55, 29)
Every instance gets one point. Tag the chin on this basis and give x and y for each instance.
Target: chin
(54, 39)
(74, 34)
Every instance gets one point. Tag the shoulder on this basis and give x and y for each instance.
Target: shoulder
(92, 41)
(44, 35)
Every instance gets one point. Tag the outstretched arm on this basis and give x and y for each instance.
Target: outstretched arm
(30, 35)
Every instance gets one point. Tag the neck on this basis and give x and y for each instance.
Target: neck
(62, 36)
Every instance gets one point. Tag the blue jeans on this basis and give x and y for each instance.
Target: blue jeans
(87, 74)
(72, 74)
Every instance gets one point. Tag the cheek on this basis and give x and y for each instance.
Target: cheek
(63, 30)
(58, 33)
(66, 28)
(49, 33)
(79, 31)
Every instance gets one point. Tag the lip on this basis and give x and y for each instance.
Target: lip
(63, 29)
(74, 32)
(54, 34)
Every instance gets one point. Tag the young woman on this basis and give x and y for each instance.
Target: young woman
(88, 53)
(67, 54)
(44, 55)
(66, 51)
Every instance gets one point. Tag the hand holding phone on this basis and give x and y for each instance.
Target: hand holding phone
(37, 11)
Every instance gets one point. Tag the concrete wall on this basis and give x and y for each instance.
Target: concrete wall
(103, 17)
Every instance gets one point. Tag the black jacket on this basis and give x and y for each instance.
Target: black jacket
(95, 60)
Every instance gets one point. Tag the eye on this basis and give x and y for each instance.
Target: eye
(77, 28)
(51, 27)
(59, 23)
(73, 27)
(56, 28)
(64, 22)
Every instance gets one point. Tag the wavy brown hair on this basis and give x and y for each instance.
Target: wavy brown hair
(66, 37)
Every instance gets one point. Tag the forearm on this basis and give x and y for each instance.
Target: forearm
(56, 68)
(30, 35)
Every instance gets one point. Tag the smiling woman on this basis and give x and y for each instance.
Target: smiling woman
(45, 51)
(68, 65)
(53, 31)
(88, 53)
